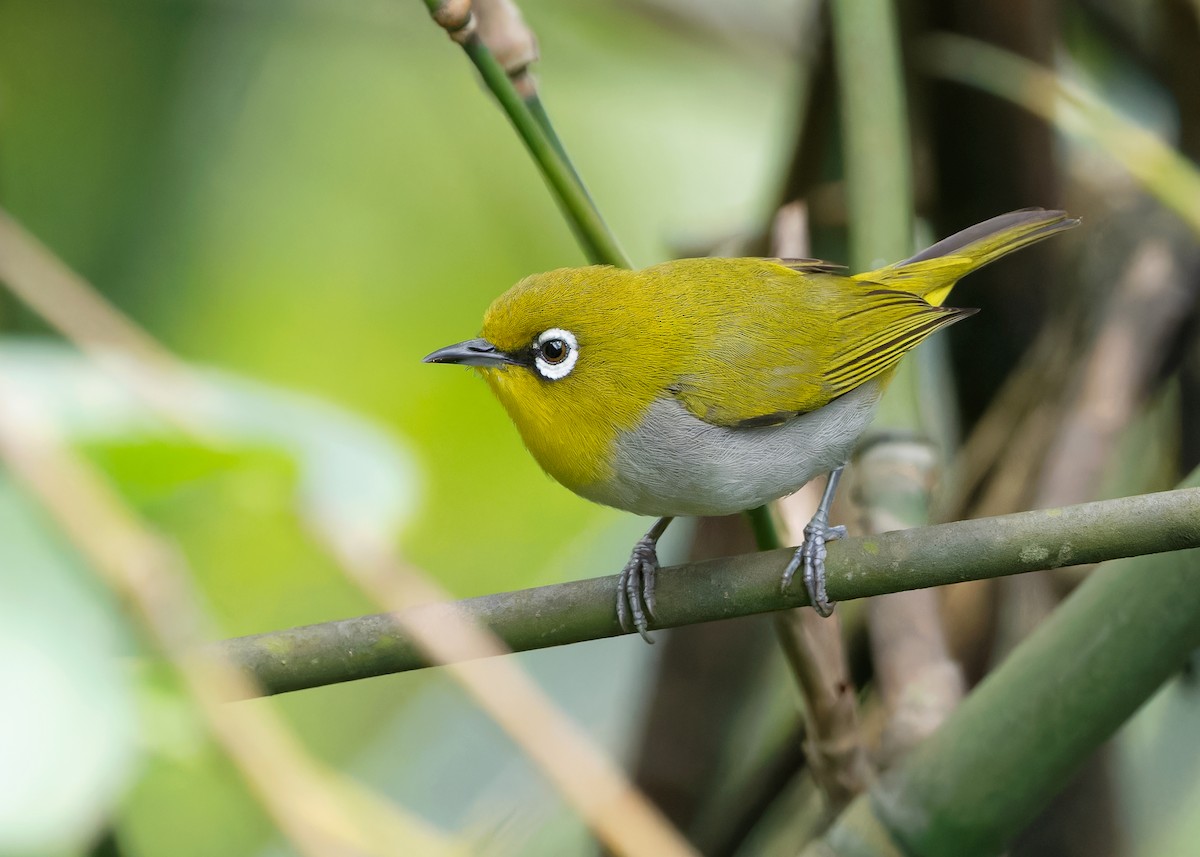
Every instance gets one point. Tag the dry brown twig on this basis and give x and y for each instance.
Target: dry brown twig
(70, 305)
(1153, 298)
(320, 811)
(588, 779)
(123, 548)
(918, 682)
(813, 645)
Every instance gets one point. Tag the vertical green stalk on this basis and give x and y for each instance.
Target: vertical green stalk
(766, 536)
(878, 170)
(874, 130)
(598, 243)
(877, 160)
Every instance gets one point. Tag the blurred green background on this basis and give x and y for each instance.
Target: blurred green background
(302, 198)
(313, 195)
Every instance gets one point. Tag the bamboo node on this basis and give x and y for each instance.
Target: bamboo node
(454, 16)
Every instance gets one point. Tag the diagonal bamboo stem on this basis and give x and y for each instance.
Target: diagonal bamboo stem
(598, 243)
(366, 646)
(1015, 741)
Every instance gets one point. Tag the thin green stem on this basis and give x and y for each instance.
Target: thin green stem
(877, 162)
(589, 227)
(766, 534)
(538, 109)
(737, 586)
(598, 243)
(875, 131)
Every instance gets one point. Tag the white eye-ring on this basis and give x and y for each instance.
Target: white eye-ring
(555, 353)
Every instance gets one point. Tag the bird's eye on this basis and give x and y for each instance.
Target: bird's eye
(555, 353)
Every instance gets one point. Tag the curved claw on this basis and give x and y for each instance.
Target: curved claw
(811, 556)
(790, 572)
(635, 589)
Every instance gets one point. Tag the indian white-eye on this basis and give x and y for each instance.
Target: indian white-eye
(712, 386)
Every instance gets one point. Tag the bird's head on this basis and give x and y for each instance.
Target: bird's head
(570, 355)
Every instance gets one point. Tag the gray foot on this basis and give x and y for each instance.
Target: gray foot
(811, 555)
(635, 588)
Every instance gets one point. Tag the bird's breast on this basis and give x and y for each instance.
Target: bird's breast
(673, 463)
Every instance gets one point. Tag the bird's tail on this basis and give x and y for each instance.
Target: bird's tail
(933, 272)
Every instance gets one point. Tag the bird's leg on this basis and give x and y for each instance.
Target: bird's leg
(811, 554)
(635, 586)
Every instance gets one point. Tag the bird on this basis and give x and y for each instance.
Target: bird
(710, 386)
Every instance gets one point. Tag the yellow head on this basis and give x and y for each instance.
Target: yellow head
(575, 356)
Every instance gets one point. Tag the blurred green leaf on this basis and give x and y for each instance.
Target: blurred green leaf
(67, 720)
(1158, 764)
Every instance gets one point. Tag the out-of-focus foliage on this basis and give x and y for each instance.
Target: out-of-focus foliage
(68, 742)
(320, 194)
(1158, 764)
(314, 195)
(311, 195)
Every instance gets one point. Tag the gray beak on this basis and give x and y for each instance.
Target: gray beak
(473, 352)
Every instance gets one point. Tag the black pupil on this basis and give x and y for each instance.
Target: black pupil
(554, 350)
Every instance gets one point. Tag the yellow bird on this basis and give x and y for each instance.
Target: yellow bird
(713, 386)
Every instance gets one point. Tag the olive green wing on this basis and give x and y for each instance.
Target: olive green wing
(876, 335)
(807, 338)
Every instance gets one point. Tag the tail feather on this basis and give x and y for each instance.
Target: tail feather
(933, 272)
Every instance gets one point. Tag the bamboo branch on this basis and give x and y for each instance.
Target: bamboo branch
(1014, 742)
(331, 652)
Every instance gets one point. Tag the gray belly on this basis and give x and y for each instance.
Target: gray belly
(676, 464)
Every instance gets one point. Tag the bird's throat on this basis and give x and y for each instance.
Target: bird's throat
(571, 438)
